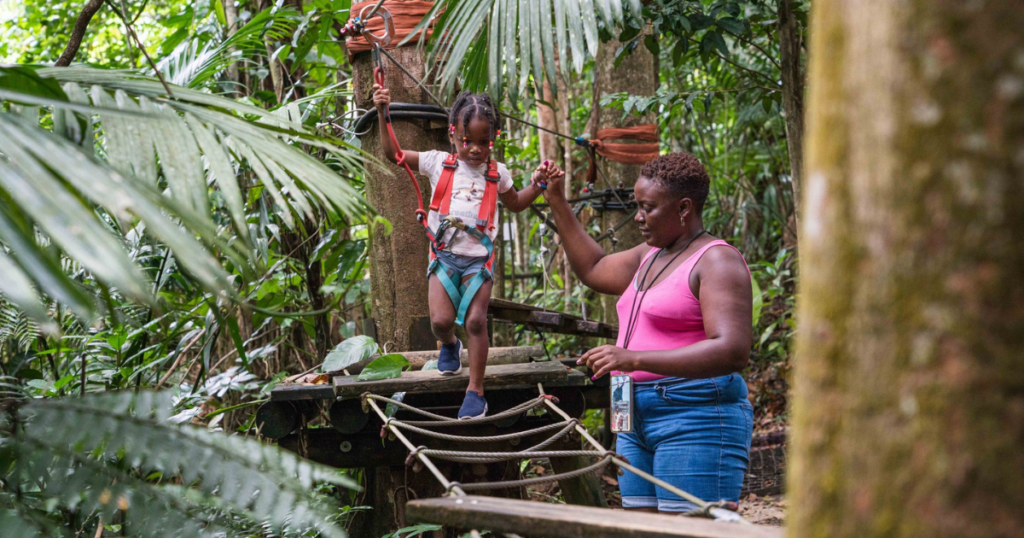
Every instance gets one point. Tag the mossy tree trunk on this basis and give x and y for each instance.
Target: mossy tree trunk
(636, 75)
(909, 387)
(398, 262)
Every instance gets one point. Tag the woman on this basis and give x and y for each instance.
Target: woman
(684, 334)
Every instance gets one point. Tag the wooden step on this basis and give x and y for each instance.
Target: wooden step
(500, 376)
(561, 521)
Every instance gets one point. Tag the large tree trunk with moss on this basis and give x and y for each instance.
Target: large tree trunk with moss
(637, 75)
(909, 391)
(398, 261)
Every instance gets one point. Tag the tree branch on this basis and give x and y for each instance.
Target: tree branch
(78, 33)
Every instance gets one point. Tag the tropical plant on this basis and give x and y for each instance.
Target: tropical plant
(151, 141)
(68, 466)
(484, 43)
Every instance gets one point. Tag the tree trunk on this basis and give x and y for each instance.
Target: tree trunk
(552, 149)
(909, 392)
(398, 262)
(636, 75)
(790, 45)
(231, 18)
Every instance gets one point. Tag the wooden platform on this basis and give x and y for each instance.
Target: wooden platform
(561, 521)
(547, 320)
(497, 377)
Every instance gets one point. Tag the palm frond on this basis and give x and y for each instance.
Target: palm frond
(518, 32)
(189, 142)
(94, 454)
(193, 64)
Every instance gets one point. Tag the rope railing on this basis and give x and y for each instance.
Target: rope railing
(715, 510)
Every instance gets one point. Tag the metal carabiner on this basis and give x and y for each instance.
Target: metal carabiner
(389, 27)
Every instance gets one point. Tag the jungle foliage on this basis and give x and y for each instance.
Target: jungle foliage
(229, 248)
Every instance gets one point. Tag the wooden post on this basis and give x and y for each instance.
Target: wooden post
(398, 262)
(583, 490)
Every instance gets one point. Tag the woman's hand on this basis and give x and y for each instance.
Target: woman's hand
(607, 359)
(554, 177)
(381, 96)
(545, 173)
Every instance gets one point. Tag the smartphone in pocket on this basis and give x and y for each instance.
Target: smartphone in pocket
(622, 403)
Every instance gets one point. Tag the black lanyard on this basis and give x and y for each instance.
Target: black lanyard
(634, 310)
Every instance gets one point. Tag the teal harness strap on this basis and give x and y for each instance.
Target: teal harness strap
(462, 295)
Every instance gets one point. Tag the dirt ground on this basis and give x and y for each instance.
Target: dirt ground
(767, 510)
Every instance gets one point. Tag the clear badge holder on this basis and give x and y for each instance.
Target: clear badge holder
(622, 403)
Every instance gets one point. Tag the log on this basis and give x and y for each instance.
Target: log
(495, 356)
(504, 375)
(560, 521)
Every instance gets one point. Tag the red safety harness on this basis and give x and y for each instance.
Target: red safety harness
(442, 199)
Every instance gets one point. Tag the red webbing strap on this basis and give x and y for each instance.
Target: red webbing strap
(442, 200)
(489, 204)
(421, 215)
(406, 15)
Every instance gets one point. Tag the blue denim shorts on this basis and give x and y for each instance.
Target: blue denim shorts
(461, 265)
(691, 433)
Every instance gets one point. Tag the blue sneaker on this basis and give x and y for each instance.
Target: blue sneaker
(474, 406)
(449, 361)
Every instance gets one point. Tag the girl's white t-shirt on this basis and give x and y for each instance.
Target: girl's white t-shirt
(468, 184)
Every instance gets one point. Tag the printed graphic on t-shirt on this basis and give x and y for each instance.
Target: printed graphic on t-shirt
(468, 186)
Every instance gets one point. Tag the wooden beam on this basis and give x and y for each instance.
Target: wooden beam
(548, 321)
(504, 375)
(560, 521)
(495, 356)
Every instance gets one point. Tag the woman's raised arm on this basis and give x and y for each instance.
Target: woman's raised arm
(598, 270)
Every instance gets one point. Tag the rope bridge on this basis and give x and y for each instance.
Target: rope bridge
(421, 455)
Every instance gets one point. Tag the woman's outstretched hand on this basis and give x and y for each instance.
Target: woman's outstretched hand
(381, 96)
(607, 359)
(546, 173)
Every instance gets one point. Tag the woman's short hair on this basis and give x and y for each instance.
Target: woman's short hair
(682, 174)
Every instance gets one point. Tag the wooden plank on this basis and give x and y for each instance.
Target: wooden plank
(560, 521)
(548, 321)
(287, 393)
(495, 356)
(504, 375)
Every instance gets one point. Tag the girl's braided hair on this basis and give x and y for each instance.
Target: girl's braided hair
(474, 105)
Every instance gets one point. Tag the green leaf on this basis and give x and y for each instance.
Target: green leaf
(717, 41)
(679, 50)
(651, 42)
(25, 80)
(349, 352)
(731, 25)
(384, 367)
(758, 303)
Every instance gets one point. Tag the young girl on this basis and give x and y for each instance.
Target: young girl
(463, 219)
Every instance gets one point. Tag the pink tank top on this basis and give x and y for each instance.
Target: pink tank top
(670, 316)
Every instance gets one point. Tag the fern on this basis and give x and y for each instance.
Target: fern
(103, 455)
